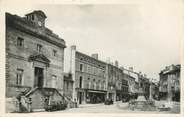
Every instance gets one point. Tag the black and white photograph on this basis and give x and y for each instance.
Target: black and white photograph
(93, 58)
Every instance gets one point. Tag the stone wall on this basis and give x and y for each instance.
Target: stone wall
(18, 58)
(93, 69)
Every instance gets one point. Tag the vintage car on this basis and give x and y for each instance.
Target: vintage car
(108, 102)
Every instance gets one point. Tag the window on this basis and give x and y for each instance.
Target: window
(54, 52)
(87, 83)
(81, 67)
(19, 77)
(54, 79)
(32, 17)
(80, 82)
(95, 85)
(89, 69)
(39, 47)
(100, 85)
(67, 85)
(104, 85)
(20, 42)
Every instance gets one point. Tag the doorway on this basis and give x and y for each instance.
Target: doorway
(80, 97)
(38, 82)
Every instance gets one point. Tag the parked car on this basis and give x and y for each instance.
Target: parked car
(125, 99)
(108, 102)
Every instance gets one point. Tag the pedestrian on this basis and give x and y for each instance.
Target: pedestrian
(29, 104)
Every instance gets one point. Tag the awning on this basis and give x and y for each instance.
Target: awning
(92, 91)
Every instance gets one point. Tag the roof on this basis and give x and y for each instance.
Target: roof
(91, 57)
(28, 27)
(39, 12)
(131, 74)
(170, 69)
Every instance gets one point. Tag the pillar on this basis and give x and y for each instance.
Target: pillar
(115, 96)
(84, 95)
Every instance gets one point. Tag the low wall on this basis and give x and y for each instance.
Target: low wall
(11, 105)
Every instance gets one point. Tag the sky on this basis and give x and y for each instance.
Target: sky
(143, 36)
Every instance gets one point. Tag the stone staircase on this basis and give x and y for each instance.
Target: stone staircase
(42, 99)
(71, 103)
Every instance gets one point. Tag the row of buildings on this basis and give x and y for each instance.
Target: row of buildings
(40, 67)
(169, 83)
(95, 80)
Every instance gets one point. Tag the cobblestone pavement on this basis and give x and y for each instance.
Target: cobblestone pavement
(118, 107)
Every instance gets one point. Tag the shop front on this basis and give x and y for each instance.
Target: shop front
(95, 96)
(125, 97)
(111, 95)
(80, 96)
(118, 95)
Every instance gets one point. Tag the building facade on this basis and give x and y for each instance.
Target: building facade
(89, 76)
(68, 85)
(154, 90)
(169, 84)
(34, 56)
(115, 82)
(133, 84)
(125, 88)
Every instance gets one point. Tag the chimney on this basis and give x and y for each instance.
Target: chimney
(116, 63)
(131, 69)
(95, 56)
(73, 47)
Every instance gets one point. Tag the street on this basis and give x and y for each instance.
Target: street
(118, 107)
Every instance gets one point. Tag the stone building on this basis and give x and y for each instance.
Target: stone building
(132, 78)
(169, 84)
(154, 90)
(68, 85)
(34, 59)
(88, 74)
(125, 87)
(115, 82)
(111, 82)
(144, 85)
